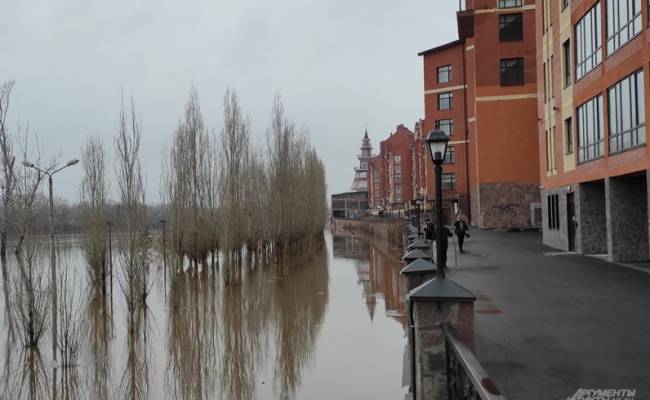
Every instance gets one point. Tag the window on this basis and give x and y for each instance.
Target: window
(565, 4)
(626, 110)
(444, 74)
(566, 54)
(548, 151)
(553, 211)
(511, 27)
(587, 40)
(512, 71)
(509, 3)
(568, 135)
(445, 100)
(450, 156)
(590, 129)
(448, 181)
(550, 78)
(623, 22)
(446, 125)
(545, 83)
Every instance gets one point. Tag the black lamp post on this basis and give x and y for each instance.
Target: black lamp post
(437, 143)
(418, 210)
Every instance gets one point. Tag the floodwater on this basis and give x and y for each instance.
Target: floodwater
(330, 327)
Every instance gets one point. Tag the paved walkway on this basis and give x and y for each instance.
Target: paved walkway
(550, 323)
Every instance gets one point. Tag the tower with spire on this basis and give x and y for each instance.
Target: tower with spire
(360, 182)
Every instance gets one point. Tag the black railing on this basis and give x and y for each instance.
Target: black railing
(466, 378)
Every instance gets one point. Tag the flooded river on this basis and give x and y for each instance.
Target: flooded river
(330, 327)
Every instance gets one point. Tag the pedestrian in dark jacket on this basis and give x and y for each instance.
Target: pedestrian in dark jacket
(462, 231)
(429, 230)
(444, 245)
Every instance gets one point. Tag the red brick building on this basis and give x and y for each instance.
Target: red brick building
(593, 59)
(390, 178)
(482, 90)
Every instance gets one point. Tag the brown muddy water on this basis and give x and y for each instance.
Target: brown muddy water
(328, 328)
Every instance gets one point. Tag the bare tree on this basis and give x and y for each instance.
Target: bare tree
(135, 282)
(235, 139)
(8, 161)
(93, 202)
(189, 187)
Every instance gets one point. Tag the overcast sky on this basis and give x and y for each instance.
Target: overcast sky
(338, 65)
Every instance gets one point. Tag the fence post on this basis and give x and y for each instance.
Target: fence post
(432, 305)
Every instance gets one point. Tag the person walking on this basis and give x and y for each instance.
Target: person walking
(446, 234)
(462, 231)
(429, 230)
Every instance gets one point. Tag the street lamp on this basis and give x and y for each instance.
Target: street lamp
(418, 210)
(437, 143)
(49, 174)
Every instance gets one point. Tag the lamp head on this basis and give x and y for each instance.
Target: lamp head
(28, 164)
(72, 162)
(437, 143)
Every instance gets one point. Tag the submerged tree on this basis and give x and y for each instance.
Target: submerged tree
(93, 201)
(134, 241)
(189, 184)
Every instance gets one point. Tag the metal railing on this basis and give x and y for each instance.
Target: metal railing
(466, 378)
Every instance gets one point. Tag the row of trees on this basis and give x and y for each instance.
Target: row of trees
(226, 193)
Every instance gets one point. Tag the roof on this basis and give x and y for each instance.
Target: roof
(441, 289)
(418, 266)
(440, 48)
(413, 254)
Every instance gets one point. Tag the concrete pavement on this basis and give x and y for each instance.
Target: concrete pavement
(550, 323)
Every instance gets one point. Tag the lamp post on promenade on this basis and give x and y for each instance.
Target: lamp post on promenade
(49, 174)
(437, 143)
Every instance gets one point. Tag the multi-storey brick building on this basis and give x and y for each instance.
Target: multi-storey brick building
(593, 59)
(390, 179)
(482, 90)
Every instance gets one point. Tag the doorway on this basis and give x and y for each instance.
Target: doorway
(571, 221)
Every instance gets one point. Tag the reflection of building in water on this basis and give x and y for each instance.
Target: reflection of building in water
(385, 280)
(378, 277)
(350, 247)
(363, 272)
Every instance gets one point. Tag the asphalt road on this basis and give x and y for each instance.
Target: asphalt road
(550, 323)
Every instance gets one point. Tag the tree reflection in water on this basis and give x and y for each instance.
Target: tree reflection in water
(299, 302)
(99, 333)
(220, 339)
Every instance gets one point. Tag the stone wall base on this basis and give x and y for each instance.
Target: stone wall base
(504, 205)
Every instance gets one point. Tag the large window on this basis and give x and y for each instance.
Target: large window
(446, 125)
(448, 181)
(590, 129)
(445, 100)
(553, 211)
(511, 27)
(509, 3)
(450, 155)
(623, 22)
(625, 104)
(587, 41)
(566, 54)
(444, 74)
(512, 71)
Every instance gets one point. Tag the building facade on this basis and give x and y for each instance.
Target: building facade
(390, 178)
(482, 90)
(592, 106)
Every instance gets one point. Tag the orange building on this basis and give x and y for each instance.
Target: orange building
(482, 90)
(593, 60)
